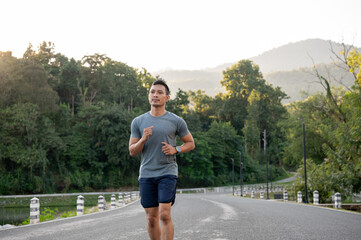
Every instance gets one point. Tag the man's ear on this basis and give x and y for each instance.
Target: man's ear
(168, 97)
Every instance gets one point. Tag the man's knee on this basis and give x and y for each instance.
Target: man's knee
(152, 221)
(152, 217)
(165, 215)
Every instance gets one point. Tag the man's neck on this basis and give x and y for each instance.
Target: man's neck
(157, 111)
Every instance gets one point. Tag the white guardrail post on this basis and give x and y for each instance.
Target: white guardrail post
(299, 197)
(34, 210)
(120, 200)
(101, 206)
(112, 202)
(316, 199)
(127, 198)
(80, 205)
(285, 195)
(337, 200)
(134, 196)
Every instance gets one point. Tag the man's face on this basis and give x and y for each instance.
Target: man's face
(158, 95)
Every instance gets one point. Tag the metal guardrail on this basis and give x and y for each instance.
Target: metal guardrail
(61, 194)
(205, 190)
(185, 190)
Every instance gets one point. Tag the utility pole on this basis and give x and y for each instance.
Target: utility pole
(233, 175)
(240, 172)
(304, 157)
(265, 154)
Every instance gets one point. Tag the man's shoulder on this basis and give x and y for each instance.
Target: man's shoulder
(174, 116)
(175, 119)
(140, 117)
(180, 124)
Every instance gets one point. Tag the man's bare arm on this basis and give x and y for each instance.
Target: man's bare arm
(188, 145)
(136, 145)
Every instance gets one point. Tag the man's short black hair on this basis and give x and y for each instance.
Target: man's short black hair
(162, 82)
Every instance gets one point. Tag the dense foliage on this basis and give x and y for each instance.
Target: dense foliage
(333, 123)
(65, 126)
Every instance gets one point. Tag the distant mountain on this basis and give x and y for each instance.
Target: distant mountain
(291, 56)
(300, 83)
(285, 66)
(209, 81)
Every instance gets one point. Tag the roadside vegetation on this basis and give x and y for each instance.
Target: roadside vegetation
(65, 125)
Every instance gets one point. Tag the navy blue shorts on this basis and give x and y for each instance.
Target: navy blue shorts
(157, 190)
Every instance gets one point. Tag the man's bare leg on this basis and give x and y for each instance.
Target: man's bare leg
(167, 227)
(153, 222)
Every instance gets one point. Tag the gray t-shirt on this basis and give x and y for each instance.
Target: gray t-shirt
(154, 162)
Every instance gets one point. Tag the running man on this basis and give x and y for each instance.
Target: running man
(153, 134)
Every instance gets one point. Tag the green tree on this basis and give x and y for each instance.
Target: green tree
(47, 58)
(109, 81)
(178, 105)
(252, 129)
(24, 82)
(335, 118)
(28, 144)
(196, 167)
(94, 82)
(224, 142)
(239, 81)
(68, 83)
(206, 107)
(112, 132)
(146, 78)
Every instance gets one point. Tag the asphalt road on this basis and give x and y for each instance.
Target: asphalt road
(205, 216)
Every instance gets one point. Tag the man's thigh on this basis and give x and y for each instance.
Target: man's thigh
(157, 190)
(148, 192)
(167, 187)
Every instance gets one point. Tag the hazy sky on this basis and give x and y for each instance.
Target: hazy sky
(184, 34)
